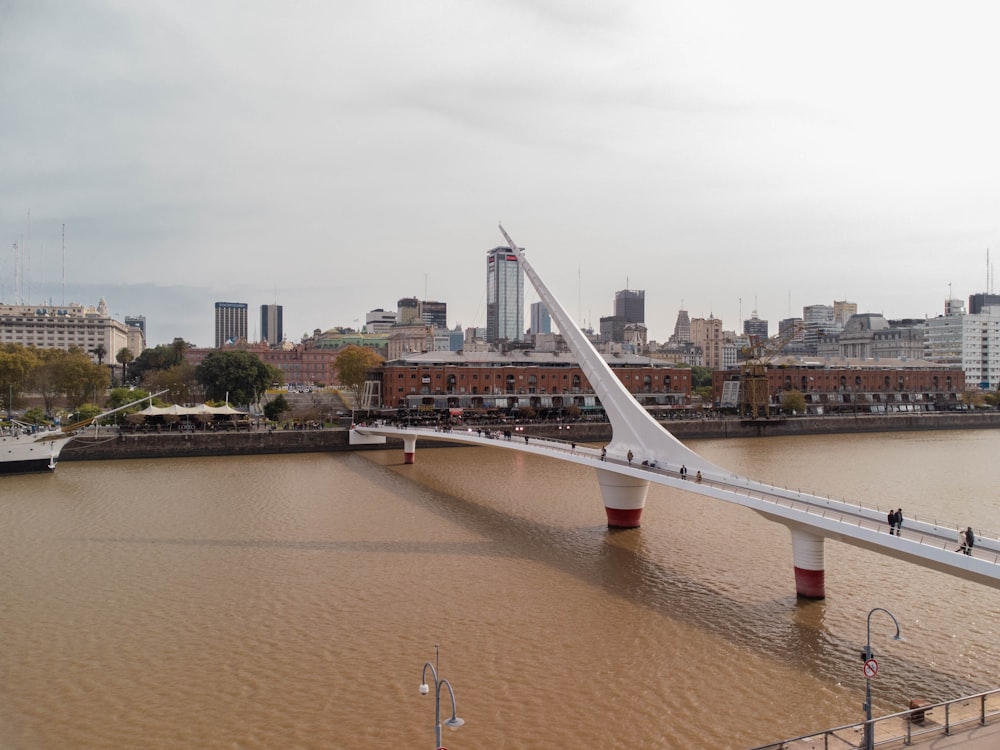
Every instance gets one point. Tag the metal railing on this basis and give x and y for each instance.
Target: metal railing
(921, 721)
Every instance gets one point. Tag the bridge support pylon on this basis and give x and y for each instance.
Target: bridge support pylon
(409, 450)
(624, 498)
(807, 555)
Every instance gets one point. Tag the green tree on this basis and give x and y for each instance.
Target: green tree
(277, 406)
(181, 380)
(100, 352)
(34, 415)
(234, 375)
(78, 379)
(701, 376)
(17, 364)
(794, 401)
(352, 365)
(118, 397)
(124, 356)
(160, 357)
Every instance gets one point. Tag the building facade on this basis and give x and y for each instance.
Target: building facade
(855, 387)
(521, 379)
(91, 329)
(706, 334)
(230, 323)
(504, 297)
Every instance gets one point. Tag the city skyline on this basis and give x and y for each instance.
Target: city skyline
(732, 157)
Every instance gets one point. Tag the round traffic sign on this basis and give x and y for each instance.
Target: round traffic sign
(871, 668)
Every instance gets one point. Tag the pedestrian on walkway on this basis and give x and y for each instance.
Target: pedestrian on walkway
(629, 456)
(892, 521)
(899, 520)
(604, 453)
(970, 540)
(961, 541)
(697, 477)
(684, 471)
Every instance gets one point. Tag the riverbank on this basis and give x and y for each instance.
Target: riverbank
(107, 445)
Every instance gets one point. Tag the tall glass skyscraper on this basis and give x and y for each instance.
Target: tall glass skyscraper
(504, 296)
(271, 327)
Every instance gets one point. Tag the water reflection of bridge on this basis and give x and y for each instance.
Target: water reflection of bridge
(637, 437)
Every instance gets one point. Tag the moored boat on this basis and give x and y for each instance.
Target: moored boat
(26, 448)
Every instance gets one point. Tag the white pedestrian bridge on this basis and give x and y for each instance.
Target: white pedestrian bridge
(809, 517)
(625, 481)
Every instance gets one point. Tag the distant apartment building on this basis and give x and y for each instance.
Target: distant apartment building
(379, 321)
(504, 297)
(89, 328)
(979, 302)
(816, 320)
(682, 328)
(271, 326)
(943, 335)
(871, 336)
(411, 310)
(230, 323)
(136, 333)
(981, 348)
(842, 312)
(706, 333)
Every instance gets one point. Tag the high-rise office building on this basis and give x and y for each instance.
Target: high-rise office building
(504, 296)
(979, 302)
(408, 311)
(434, 314)
(271, 328)
(230, 323)
(540, 320)
(755, 327)
(630, 305)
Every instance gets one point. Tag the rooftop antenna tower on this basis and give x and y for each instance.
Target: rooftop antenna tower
(27, 248)
(64, 264)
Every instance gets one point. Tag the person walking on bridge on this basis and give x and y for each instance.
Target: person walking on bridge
(899, 520)
(892, 521)
(970, 540)
(630, 456)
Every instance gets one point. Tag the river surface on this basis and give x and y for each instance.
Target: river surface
(292, 601)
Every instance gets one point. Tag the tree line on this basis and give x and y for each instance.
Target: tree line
(72, 379)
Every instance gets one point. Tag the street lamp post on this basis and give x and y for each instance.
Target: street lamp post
(454, 722)
(866, 656)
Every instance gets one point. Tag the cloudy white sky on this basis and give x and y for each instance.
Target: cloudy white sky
(334, 155)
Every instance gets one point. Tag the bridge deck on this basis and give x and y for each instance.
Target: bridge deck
(930, 544)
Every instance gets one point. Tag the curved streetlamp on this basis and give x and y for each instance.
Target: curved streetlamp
(454, 722)
(866, 655)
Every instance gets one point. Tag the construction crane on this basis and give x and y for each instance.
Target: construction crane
(755, 402)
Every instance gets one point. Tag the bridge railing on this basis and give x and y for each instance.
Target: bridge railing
(923, 720)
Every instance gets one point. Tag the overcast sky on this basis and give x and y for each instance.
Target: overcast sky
(335, 156)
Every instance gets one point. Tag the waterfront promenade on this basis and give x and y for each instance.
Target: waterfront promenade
(971, 722)
(107, 444)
